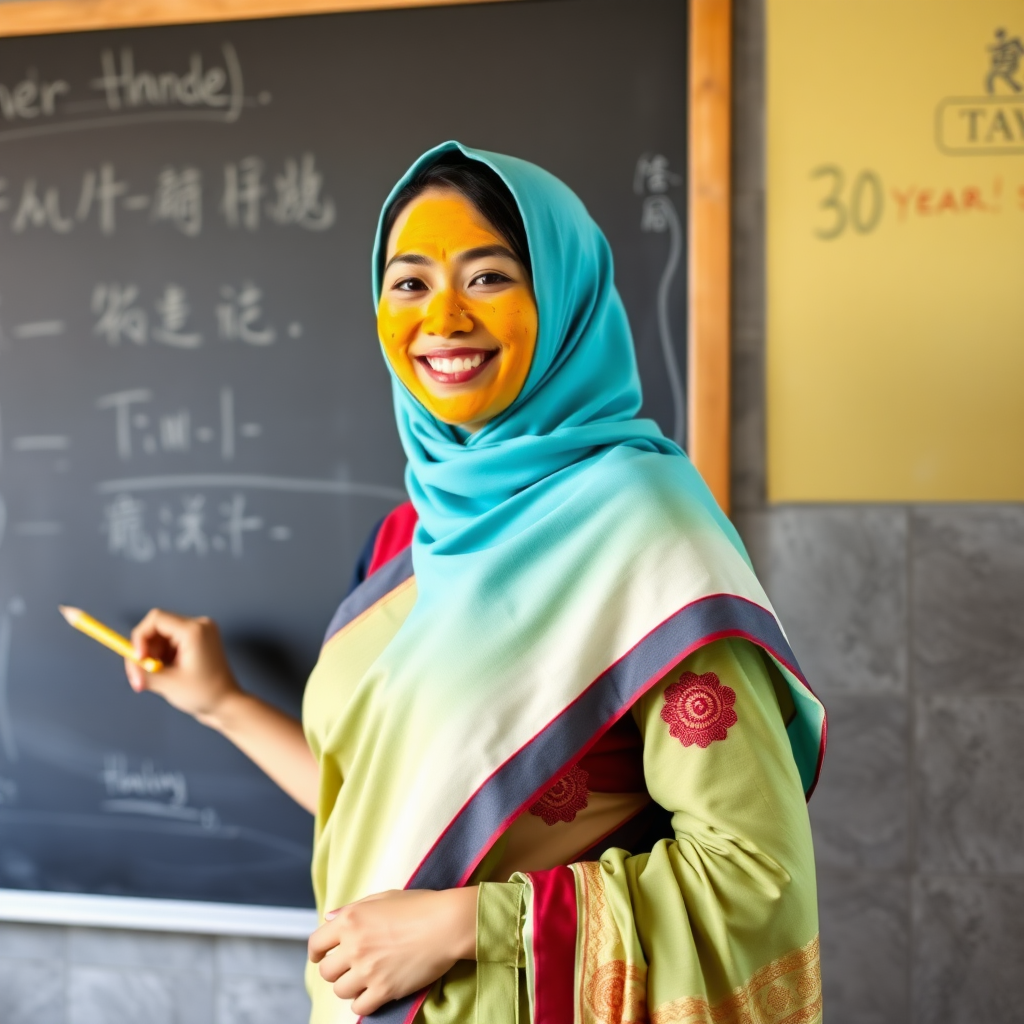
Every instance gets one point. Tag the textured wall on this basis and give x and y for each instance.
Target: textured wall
(909, 621)
(103, 976)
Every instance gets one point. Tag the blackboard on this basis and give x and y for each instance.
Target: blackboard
(194, 412)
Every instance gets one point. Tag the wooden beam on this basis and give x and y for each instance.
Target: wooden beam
(44, 17)
(709, 249)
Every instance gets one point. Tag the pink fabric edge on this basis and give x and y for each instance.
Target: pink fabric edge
(554, 945)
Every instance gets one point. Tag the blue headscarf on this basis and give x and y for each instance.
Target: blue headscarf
(580, 397)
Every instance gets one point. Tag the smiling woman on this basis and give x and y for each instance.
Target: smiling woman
(457, 316)
(556, 742)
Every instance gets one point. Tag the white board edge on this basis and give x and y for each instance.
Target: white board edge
(129, 912)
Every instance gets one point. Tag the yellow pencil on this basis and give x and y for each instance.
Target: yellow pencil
(106, 636)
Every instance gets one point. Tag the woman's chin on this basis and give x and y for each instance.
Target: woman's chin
(466, 411)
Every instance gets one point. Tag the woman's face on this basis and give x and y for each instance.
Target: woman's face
(457, 317)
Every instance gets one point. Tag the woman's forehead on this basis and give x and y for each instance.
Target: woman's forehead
(438, 223)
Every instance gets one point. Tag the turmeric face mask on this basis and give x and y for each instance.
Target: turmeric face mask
(457, 317)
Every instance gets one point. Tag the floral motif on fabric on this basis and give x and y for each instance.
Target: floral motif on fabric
(699, 709)
(565, 799)
(616, 993)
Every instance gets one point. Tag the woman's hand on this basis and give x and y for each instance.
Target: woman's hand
(395, 943)
(196, 678)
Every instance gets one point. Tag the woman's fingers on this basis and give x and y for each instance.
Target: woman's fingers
(324, 939)
(367, 1001)
(336, 965)
(159, 635)
(196, 677)
(136, 675)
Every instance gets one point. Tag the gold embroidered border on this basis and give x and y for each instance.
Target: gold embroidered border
(786, 991)
(611, 990)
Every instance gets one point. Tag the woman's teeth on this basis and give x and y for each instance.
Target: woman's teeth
(456, 365)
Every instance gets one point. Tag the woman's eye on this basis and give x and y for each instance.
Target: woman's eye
(490, 277)
(409, 284)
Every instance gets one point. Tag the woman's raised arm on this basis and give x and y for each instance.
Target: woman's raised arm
(198, 680)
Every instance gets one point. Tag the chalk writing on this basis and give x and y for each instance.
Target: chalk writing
(141, 432)
(652, 178)
(652, 174)
(243, 193)
(151, 791)
(146, 782)
(102, 191)
(179, 199)
(38, 211)
(31, 97)
(124, 86)
(126, 534)
(297, 197)
(239, 316)
(118, 315)
(124, 91)
(121, 316)
(191, 526)
(173, 310)
(39, 329)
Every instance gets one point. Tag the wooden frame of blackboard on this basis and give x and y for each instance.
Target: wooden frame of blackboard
(709, 105)
(709, 153)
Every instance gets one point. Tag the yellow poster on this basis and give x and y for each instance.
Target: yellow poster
(896, 250)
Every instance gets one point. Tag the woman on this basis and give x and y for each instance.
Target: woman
(556, 743)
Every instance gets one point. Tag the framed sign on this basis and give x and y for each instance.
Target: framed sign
(895, 248)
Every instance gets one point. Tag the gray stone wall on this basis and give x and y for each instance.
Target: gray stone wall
(54, 975)
(909, 622)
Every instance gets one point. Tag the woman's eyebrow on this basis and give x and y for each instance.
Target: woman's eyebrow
(409, 257)
(481, 252)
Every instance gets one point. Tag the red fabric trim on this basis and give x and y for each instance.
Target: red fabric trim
(394, 535)
(554, 944)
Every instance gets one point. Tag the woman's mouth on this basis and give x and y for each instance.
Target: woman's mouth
(456, 365)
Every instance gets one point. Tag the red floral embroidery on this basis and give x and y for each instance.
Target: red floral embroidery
(698, 709)
(565, 798)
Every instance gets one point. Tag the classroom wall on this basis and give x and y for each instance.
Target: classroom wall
(104, 976)
(909, 622)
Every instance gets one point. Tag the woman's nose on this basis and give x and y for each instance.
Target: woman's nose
(445, 316)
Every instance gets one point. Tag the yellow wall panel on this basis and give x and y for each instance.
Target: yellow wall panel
(896, 250)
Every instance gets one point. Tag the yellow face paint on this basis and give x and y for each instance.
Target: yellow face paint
(475, 318)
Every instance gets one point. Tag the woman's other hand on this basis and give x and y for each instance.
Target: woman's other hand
(196, 677)
(395, 943)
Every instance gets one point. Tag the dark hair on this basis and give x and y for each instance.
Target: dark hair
(481, 186)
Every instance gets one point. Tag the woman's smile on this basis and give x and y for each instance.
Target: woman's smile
(457, 365)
